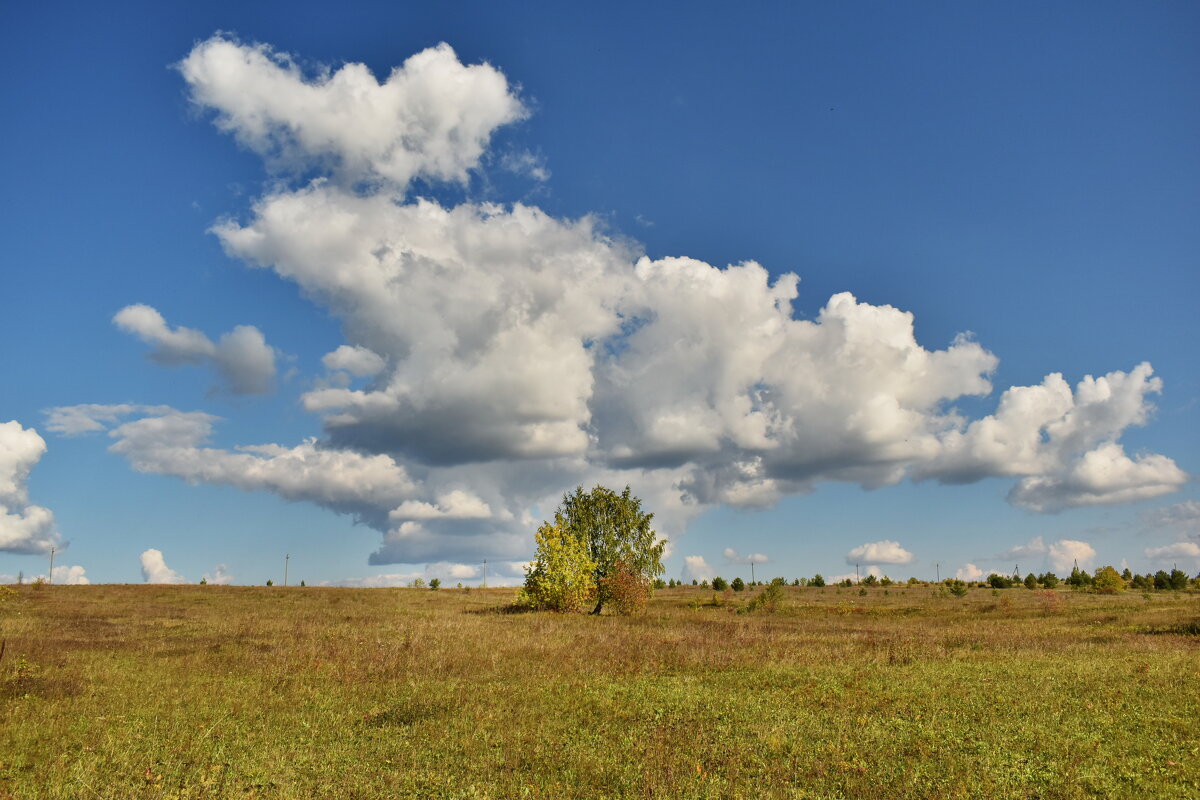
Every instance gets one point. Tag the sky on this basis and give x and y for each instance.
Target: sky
(908, 289)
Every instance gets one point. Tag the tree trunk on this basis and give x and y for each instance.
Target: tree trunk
(596, 610)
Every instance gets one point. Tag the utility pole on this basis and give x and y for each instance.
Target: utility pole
(286, 557)
(857, 579)
(752, 573)
(937, 565)
(485, 573)
(51, 581)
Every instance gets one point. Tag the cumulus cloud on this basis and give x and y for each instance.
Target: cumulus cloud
(1176, 550)
(1065, 553)
(734, 557)
(882, 552)
(431, 118)
(24, 527)
(68, 575)
(155, 569)
(1033, 548)
(696, 568)
(358, 361)
(1064, 443)
(241, 357)
(969, 573)
(219, 576)
(513, 355)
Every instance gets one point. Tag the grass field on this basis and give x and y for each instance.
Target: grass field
(209, 691)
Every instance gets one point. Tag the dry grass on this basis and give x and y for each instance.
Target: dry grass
(191, 692)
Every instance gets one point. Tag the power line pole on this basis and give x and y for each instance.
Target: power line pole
(286, 557)
(857, 579)
(51, 581)
(485, 573)
(938, 566)
(752, 581)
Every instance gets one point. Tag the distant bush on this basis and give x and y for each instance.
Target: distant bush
(737, 584)
(886, 581)
(1048, 580)
(1031, 581)
(435, 584)
(270, 582)
(659, 583)
(956, 587)
(816, 580)
(719, 584)
(870, 580)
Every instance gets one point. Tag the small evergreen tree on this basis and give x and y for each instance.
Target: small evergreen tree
(816, 580)
(737, 584)
(719, 584)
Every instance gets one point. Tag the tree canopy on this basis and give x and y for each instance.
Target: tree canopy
(622, 547)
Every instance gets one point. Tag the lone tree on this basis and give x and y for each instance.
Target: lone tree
(625, 552)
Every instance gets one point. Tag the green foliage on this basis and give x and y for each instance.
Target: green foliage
(1031, 581)
(562, 575)
(435, 584)
(817, 580)
(956, 587)
(270, 582)
(737, 584)
(204, 581)
(1048, 580)
(417, 583)
(1079, 579)
(870, 580)
(616, 532)
(659, 583)
(886, 581)
(999, 581)
(1108, 581)
(767, 600)
(302, 583)
(719, 584)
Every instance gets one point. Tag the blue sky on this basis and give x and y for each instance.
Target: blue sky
(1022, 173)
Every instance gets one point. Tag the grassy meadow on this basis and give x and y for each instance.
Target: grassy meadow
(211, 691)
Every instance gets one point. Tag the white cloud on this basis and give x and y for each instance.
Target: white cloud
(513, 355)
(1176, 550)
(358, 361)
(882, 552)
(155, 569)
(1031, 549)
(1065, 552)
(696, 568)
(1064, 443)
(66, 575)
(734, 557)
(969, 573)
(94, 417)
(219, 576)
(431, 118)
(24, 527)
(242, 358)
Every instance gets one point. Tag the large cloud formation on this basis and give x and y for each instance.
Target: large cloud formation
(24, 527)
(496, 356)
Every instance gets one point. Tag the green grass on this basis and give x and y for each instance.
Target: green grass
(196, 692)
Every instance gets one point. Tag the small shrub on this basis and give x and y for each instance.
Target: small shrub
(767, 600)
(435, 584)
(817, 580)
(719, 584)
(956, 587)
(270, 582)
(737, 584)
(628, 590)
